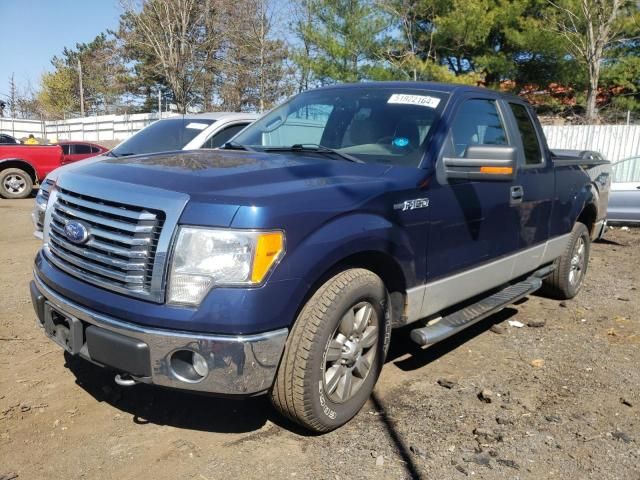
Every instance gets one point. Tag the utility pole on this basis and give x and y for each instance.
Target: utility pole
(159, 103)
(81, 89)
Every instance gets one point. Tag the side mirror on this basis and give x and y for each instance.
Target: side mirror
(483, 162)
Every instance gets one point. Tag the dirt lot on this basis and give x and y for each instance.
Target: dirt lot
(562, 399)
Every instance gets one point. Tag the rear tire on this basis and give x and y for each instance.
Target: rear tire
(567, 279)
(335, 352)
(15, 183)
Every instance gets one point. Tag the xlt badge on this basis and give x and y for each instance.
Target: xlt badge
(412, 204)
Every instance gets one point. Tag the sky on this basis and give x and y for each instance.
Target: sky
(33, 31)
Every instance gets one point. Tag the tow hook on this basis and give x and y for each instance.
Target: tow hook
(124, 380)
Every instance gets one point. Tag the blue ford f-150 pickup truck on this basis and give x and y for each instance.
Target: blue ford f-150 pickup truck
(281, 263)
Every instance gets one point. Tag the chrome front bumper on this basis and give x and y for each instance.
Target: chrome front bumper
(238, 365)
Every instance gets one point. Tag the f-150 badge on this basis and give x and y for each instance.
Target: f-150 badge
(412, 204)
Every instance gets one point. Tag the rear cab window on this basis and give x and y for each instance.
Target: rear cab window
(530, 141)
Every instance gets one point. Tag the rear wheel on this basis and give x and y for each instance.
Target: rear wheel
(571, 267)
(15, 183)
(334, 353)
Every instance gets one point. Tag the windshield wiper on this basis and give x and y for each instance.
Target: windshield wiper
(315, 148)
(128, 154)
(237, 146)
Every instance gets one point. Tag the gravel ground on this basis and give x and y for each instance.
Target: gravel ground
(558, 397)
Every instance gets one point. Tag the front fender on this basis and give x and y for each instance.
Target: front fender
(348, 235)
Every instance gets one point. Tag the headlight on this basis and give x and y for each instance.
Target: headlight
(204, 257)
(39, 210)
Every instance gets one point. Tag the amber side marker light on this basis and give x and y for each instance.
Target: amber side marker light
(268, 250)
(497, 170)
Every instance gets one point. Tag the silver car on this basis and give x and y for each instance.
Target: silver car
(624, 199)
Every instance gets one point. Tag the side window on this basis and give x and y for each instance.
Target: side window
(532, 152)
(95, 149)
(66, 149)
(80, 149)
(223, 136)
(477, 123)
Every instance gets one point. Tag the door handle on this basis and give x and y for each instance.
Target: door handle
(517, 194)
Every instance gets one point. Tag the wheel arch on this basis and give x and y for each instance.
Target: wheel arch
(588, 217)
(22, 165)
(378, 262)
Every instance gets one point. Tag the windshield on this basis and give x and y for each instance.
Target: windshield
(163, 136)
(373, 124)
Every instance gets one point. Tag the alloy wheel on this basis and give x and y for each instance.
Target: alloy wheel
(351, 352)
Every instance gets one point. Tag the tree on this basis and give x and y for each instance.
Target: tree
(255, 73)
(342, 40)
(179, 40)
(59, 95)
(589, 28)
(100, 79)
(412, 50)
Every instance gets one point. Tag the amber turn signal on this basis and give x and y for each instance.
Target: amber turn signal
(269, 248)
(497, 170)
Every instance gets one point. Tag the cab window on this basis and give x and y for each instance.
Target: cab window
(477, 123)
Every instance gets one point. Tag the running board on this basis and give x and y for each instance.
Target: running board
(444, 327)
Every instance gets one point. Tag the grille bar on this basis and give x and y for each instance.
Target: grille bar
(102, 220)
(118, 212)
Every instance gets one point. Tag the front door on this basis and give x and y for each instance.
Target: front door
(474, 226)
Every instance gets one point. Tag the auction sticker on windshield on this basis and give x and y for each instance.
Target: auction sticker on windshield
(422, 100)
(197, 125)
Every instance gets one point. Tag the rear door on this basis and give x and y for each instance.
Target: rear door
(533, 191)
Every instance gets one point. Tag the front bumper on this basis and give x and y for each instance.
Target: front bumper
(237, 364)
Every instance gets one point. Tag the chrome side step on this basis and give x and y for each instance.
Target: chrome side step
(444, 327)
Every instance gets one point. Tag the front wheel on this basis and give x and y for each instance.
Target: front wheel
(566, 280)
(335, 352)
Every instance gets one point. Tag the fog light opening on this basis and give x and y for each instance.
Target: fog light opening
(200, 364)
(189, 366)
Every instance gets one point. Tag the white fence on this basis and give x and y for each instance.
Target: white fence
(615, 142)
(18, 127)
(91, 129)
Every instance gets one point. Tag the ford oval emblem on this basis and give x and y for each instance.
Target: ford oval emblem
(76, 232)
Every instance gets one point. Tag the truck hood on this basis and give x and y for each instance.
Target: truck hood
(231, 176)
(217, 183)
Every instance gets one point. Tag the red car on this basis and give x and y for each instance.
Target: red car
(73, 151)
(23, 166)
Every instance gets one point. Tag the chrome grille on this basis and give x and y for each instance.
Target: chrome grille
(120, 252)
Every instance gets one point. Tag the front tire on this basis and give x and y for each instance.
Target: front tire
(335, 352)
(15, 183)
(567, 279)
